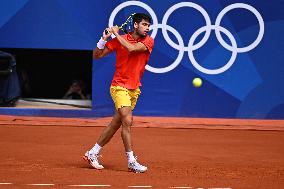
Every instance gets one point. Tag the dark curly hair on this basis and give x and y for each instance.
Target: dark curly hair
(138, 17)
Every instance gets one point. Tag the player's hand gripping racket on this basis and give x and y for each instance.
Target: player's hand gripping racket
(127, 26)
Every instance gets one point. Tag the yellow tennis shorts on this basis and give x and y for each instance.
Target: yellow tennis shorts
(124, 97)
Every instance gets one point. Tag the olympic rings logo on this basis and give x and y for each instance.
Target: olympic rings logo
(207, 29)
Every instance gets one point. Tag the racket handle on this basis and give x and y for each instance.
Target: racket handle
(106, 32)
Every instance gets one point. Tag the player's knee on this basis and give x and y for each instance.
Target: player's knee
(127, 121)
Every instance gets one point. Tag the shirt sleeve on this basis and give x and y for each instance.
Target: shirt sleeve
(149, 43)
(112, 44)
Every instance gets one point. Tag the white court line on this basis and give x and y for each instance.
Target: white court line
(91, 185)
(101, 185)
(40, 184)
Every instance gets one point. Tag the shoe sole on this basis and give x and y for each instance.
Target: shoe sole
(135, 171)
(89, 162)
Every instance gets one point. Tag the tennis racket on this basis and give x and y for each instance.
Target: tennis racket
(127, 26)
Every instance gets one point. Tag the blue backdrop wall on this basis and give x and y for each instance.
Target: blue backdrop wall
(236, 47)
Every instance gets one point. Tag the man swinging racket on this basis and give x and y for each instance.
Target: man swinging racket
(132, 53)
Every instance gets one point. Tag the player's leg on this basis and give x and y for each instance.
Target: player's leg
(93, 155)
(110, 130)
(127, 121)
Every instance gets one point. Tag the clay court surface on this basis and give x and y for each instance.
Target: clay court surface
(179, 152)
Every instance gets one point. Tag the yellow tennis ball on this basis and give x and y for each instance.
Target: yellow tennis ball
(197, 82)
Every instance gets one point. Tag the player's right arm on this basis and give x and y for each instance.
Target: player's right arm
(99, 53)
(101, 49)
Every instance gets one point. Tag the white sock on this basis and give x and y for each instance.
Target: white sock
(96, 149)
(130, 157)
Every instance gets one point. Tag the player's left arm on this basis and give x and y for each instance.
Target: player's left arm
(136, 47)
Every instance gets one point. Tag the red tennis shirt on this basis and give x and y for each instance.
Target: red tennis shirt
(130, 67)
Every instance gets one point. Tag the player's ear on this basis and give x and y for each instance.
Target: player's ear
(135, 25)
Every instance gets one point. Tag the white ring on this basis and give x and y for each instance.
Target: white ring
(207, 29)
(212, 71)
(136, 3)
(192, 5)
(180, 54)
(260, 21)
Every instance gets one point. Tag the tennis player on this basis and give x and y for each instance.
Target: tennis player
(132, 54)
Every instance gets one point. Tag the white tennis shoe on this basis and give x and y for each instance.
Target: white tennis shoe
(136, 167)
(93, 160)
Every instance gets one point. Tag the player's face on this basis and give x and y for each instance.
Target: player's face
(143, 28)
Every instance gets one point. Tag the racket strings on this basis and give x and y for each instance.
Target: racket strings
(126, 26)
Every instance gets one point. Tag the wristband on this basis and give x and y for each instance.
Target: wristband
(101, 44)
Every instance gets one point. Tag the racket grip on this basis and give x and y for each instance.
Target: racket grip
(106, 32)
